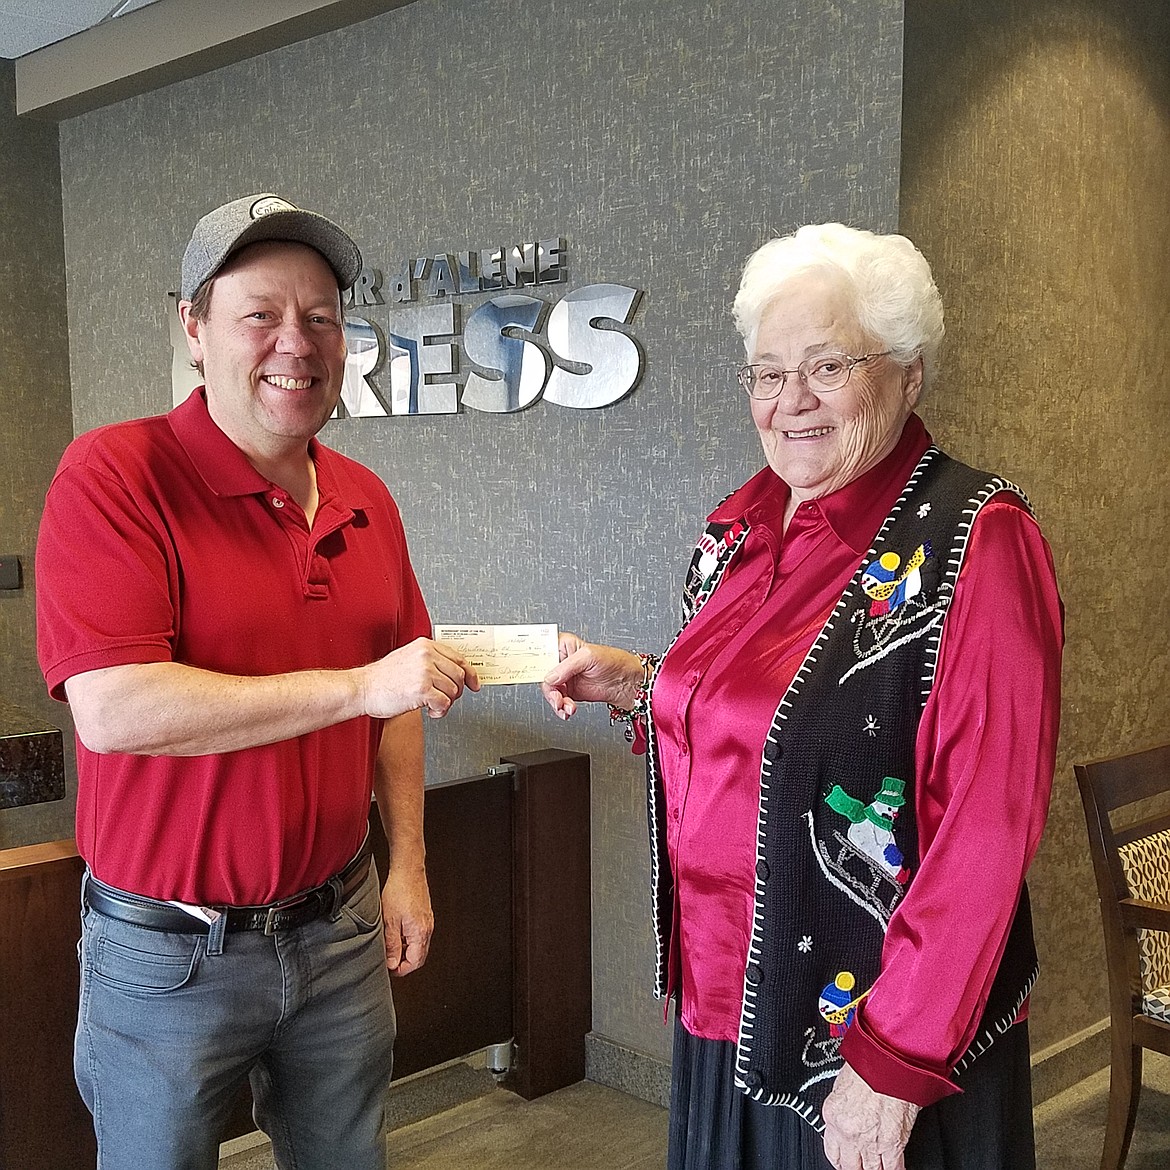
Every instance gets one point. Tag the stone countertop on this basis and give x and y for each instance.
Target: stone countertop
(32, 759)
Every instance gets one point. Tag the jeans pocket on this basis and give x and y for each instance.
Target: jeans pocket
(364, 909)
(151, 965)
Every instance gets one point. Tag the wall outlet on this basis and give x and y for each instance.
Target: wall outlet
(10, 575)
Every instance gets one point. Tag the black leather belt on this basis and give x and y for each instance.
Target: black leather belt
(323, 901)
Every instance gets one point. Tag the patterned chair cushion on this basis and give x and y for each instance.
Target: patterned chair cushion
(1146, 864)
(1157, 1003)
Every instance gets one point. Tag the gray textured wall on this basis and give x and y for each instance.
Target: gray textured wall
(1035, 169)
(664, 142)
(35, 420)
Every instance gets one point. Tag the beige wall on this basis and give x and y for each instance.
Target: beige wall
(1036, 166)
(35, 413)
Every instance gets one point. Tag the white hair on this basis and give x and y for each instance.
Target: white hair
(894, 294)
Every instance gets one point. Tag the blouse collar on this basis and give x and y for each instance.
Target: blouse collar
(854, 512)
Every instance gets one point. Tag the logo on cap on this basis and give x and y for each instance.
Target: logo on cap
(268, 205)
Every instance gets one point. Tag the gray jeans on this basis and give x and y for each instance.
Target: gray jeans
(167, 1034)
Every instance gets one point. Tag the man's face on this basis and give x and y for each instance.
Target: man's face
(272, 344)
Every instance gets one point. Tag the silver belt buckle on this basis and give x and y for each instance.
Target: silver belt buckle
(277, 907)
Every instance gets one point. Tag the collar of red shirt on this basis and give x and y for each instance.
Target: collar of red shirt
(854, 512)
(226, 469)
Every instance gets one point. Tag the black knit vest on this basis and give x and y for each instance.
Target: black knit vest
(837, 842)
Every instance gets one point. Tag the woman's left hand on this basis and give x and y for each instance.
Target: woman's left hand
(865, 1129)
(589, 673)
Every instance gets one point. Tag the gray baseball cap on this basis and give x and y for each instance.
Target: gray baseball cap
(227, 229)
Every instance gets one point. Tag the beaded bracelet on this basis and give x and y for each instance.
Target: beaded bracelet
(641, 699)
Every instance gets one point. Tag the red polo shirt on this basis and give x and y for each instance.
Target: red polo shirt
(161, 542)
(984, 762)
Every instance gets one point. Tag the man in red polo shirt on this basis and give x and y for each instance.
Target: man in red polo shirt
(230, 611)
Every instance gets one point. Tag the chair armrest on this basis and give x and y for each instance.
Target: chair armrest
(1146, 915)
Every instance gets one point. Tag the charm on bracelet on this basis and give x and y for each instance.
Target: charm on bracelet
(641, 705)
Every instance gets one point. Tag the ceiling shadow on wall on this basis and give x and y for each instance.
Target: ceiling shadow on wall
(954, 51)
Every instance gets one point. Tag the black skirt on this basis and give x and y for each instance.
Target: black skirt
(714, 1126)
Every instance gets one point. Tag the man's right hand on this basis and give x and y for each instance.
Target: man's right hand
(171, 709)
(421, 675)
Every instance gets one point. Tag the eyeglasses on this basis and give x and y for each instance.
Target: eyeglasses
(820, 373)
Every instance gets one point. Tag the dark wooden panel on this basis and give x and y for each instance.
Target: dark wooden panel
(43, 1123)
(461, 999)
(553, 997)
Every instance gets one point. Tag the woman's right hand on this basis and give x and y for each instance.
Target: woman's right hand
(588, 673)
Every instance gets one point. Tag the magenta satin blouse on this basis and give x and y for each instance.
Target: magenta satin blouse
(985, 754)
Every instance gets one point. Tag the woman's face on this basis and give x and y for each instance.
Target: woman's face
(818, 444)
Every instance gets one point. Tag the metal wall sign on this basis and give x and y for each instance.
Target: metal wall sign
(427, 340)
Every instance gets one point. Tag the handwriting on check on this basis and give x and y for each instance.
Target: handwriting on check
(504, 655)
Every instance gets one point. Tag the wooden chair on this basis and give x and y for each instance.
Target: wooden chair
(1131, 859)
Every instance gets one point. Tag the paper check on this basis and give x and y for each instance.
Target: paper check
(504, 654)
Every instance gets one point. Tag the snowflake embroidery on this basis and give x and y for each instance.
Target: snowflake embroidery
(872, 726)
(923, 511)
(805, 944)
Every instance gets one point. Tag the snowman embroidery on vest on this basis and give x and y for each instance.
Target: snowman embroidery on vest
(871, 826)
(863, 859)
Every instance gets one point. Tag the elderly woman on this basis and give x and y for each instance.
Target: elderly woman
(850, 749)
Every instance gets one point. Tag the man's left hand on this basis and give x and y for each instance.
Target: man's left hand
(406, 912)
(865, 1129)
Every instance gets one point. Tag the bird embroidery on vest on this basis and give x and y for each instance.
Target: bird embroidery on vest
(890, 584)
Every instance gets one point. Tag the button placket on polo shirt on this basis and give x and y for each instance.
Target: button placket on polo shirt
(330, 518)
(302, 541)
